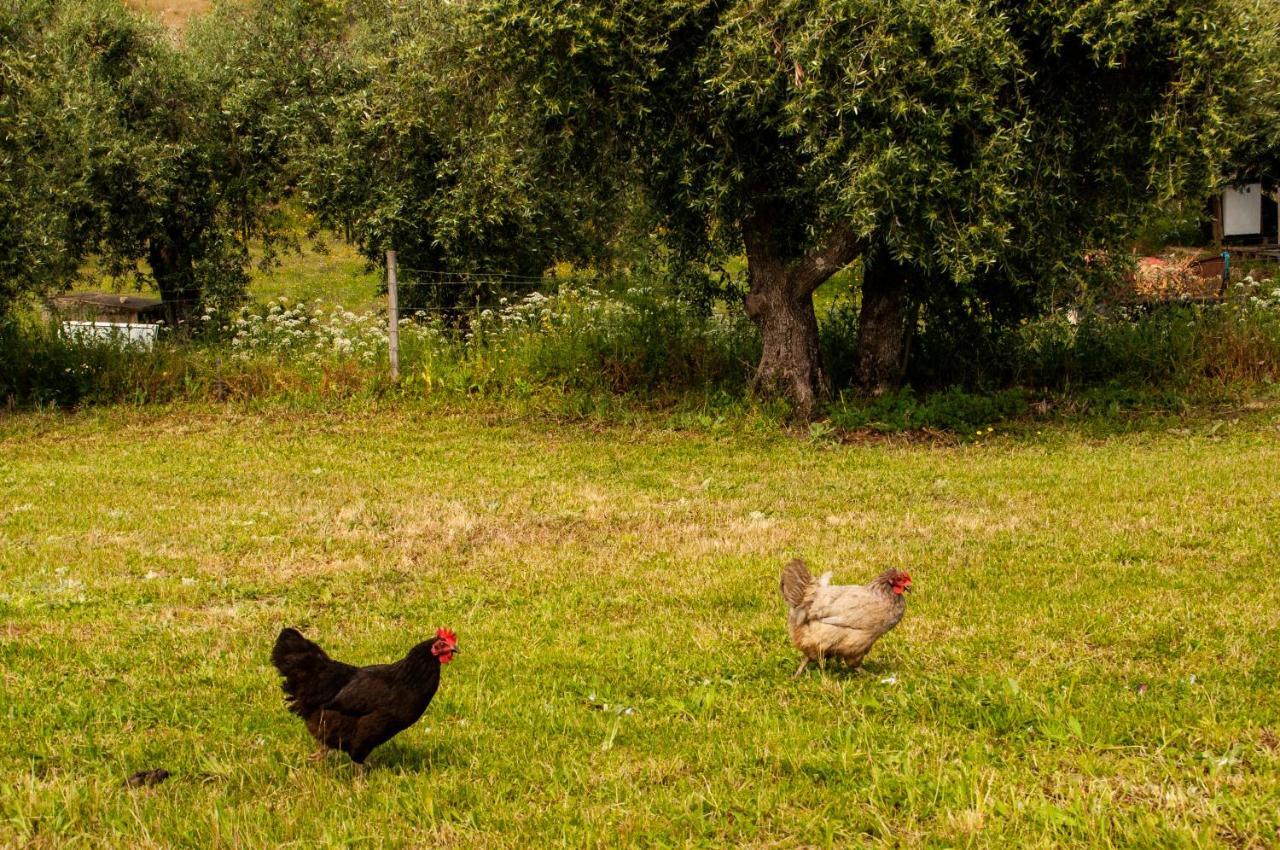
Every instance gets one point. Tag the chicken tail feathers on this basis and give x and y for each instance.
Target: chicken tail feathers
(311, 677)
(796, 581)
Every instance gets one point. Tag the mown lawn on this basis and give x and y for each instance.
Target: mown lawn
(1090, 658)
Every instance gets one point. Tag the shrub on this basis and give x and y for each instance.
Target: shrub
(632, 340)
(580, 340)
(1175, 344)
(586, 349)
(838, 334)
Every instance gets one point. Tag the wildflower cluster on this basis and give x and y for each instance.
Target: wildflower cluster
(580, 336)
(1259, 294)
(310, 333)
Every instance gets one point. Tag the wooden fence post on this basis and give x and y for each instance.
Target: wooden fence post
(393, 316)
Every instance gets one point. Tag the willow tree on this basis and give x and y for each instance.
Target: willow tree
(811, 133)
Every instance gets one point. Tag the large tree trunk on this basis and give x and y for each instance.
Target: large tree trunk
(781, 305)
(173, 268)
(884, 323)
(790, 362)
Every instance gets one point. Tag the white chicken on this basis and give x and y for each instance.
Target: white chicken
(840, 620)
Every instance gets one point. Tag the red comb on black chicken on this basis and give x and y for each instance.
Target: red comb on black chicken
(354, 709)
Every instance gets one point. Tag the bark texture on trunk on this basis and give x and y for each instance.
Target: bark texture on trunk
(884, 323)
(173, 268)
(781, 305)
(790, 360)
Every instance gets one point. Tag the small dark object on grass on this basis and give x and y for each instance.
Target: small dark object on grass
(147, 778)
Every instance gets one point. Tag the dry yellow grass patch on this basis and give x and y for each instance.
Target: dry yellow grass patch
(174, 14)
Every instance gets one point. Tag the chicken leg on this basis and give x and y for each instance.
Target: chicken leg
(804, 662)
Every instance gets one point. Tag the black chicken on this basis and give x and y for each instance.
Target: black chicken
(354, 709)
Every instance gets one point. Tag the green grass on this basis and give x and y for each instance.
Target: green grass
(329, 270)
(1090, 658)
(335, 275)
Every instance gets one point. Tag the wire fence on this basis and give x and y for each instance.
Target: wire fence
(451, 297)
(424, 291)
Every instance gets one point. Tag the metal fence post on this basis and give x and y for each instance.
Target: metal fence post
(393, 316)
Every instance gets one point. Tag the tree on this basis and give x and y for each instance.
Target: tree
(275, 71)
(40, 164)
(416, 152)
(148, 171)
(1125, 107)
(902, 132)
(128, 147)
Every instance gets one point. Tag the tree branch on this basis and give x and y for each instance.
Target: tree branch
(841, 247)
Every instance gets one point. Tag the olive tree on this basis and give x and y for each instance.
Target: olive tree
(906, 133)
(41, 165)
(148, 170)
(1125, 107)
(420, 152)
(274, 71)
(131, 148)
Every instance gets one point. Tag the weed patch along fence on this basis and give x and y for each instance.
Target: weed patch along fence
(421, 292)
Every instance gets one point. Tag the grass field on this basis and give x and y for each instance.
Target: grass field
(1089, 659)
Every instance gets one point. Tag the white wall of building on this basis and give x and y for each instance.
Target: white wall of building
(1242, 210)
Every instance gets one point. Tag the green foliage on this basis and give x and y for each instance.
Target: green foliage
(960, 133)
(982, 146)
(40, 366)
(1175, 346)
(42, 189)
(152, 157)
(272, 70)
(1178, 347)
(1173, 225)
(122, 146)
(726, 109)
(1133, 105)
(1257, 152)
(417, 150)
(838, 332)
(1131, 110)
(635, 341)
(577, 344)
(585, 352)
